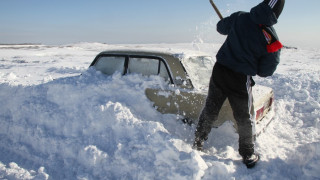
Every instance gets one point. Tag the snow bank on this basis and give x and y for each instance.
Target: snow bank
(58, 124)
(86, 122)
(16, 172)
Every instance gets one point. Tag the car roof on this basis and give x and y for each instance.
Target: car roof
(136, 52)
(155, 52)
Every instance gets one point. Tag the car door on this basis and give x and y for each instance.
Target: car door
(180, 98)
(161, 96)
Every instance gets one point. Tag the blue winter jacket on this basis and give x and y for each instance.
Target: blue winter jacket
(252, 45)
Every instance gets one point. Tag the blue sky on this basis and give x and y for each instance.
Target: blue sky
(142, 21)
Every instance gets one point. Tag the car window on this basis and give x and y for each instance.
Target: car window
(144, 66)
(148, 66)
(110, 64)
(126, 64)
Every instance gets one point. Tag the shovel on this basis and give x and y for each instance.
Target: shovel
(216, 9)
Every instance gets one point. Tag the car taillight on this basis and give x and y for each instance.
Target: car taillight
(267, 106)
(259, 113)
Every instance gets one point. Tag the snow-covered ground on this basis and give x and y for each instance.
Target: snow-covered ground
(58, 124)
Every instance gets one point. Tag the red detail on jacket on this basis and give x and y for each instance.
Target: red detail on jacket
(274, 47)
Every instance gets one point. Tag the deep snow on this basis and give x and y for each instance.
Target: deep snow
(58, 124)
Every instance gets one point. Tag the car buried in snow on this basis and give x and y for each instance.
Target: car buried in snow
(187, 77)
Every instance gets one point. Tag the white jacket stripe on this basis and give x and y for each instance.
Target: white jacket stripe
(272, 3)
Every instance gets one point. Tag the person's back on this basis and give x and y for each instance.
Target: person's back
(246, 48)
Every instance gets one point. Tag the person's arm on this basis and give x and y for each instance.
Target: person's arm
(225, 24)
(268, 64)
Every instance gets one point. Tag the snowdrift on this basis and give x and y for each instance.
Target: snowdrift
(61, 120)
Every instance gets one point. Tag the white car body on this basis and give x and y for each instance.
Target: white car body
(188, 79)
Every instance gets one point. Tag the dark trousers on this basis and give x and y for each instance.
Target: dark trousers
(225, 83)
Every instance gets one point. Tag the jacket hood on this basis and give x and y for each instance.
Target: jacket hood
(263, 14)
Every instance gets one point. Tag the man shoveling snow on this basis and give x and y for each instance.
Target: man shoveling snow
(251, 48)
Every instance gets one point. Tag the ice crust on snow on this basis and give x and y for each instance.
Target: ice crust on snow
(61, 120)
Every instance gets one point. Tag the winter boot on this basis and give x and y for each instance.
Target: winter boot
(198, 144)
(250, 161)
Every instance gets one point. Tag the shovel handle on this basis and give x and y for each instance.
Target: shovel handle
(216, 9)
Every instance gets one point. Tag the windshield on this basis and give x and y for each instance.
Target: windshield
(199, 69)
